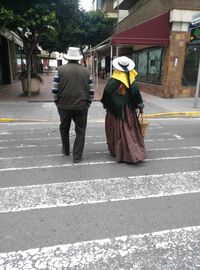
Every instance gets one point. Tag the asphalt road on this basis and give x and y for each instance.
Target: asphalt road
(99, 214)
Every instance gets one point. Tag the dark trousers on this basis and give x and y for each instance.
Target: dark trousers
(80, 120)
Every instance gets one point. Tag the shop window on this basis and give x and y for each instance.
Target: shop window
(142, 65)
(191, 65)
(149, 65)
(18, 58)
(154, 66)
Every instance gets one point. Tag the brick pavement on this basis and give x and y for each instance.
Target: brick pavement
(13, 92)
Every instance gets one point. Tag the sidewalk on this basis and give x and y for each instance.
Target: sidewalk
(14, 105)
(158, 107)
(13, 92)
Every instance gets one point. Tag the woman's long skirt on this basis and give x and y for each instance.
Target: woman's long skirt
(124, 138)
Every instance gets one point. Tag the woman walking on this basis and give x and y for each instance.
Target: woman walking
(122, 98)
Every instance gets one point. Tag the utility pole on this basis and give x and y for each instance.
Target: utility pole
(197, 87)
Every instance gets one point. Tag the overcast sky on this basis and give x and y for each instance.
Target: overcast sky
(86, 4)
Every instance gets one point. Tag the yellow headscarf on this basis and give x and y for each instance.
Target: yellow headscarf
(122, 76)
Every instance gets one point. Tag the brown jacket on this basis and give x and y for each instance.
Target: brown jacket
(73, 87)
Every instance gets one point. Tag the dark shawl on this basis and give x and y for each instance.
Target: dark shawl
(114, 102)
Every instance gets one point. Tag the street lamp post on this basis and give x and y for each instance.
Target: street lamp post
(197, 87)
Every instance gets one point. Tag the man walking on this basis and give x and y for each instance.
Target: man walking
(73, 92)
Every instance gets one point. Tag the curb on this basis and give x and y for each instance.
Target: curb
(153, 115)
(13, 120)
(173, 114)
(5, 120)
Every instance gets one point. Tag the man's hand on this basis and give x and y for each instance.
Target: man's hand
(56, 102)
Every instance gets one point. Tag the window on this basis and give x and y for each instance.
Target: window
(154, 66)
(142, 65)
(149, 65)
(18, 58)
(191, 65)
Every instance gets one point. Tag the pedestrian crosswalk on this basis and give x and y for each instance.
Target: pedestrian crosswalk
(110, 203)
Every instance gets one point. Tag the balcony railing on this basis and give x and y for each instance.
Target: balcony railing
(124, 4)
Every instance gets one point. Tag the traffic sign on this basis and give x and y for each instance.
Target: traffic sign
(196, 19)
(195, 34)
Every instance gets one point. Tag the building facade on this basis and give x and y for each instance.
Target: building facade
(171, 70)
(13, 58)
(111, 9)
(10, 56)
(156, 35)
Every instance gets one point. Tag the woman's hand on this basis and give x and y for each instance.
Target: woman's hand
(141, 110)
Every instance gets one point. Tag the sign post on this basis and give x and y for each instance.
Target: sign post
(196, 19)
(197, 87)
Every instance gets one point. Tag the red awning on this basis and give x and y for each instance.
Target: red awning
(152, 32)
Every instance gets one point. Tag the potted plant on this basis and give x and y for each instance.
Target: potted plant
(35, 82)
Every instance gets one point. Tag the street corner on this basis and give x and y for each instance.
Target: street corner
(173, 114)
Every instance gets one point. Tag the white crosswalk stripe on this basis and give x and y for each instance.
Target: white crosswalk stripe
(98, 153)
(97, 191)
(95, 163)
(159, 250)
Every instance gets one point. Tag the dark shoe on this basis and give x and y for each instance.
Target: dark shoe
(65, 153)
(77, 160)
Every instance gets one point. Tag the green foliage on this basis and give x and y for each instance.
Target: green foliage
(32, 19)
(5, 16)
(67, 15)
(27, 18)
(55, 24)
(49, 40)
(95, 27)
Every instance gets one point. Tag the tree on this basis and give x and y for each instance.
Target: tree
(94, 27)
(87, 28)
(68, 30)
(32, 18)
(56, 24)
